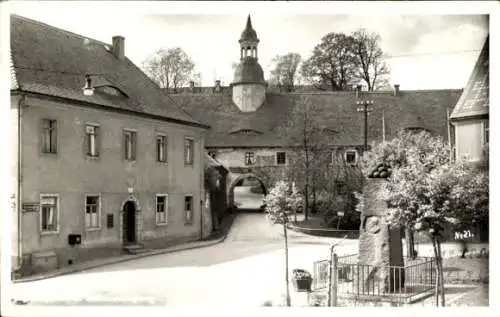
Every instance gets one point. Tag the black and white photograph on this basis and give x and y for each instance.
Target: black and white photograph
(272, 155)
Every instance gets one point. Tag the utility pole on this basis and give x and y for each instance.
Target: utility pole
(363, 106)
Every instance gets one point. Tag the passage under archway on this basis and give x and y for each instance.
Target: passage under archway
(247, 193)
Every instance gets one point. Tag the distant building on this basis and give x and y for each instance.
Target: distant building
(114, 165)
(470, 117)
(246, 116)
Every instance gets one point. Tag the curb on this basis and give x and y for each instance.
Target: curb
(128, 258)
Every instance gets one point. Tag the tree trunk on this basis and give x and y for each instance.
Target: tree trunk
(288, 303)
(436, 255)
(306, 201)
(441, 274)
(410, 244)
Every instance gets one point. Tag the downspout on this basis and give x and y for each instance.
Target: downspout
(202, 183)
(19, 181)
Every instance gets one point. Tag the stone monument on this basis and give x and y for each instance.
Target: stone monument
(379, 245)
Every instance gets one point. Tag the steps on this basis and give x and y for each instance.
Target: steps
(134, 249)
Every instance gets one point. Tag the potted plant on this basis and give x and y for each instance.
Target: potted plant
(302, 280)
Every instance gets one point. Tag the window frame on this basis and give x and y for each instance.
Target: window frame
(188, 220)
(56, 214)
(164, 151)
(98, 212)
(54, 148)
(486, 131)
(133, 145)
(253, 157)
(165, 211)
(277, 160)
(190, 141)
(96, 135)
(356, 156)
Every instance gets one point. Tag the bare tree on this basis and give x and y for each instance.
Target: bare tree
(371, 67)
(307, 141)
(170, 69)
(332, 64)
(284, 71)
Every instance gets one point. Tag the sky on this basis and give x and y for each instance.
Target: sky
(418, 46)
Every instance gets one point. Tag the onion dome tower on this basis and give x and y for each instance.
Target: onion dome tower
(249, 86)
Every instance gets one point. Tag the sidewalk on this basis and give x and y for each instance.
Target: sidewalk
(216, 239)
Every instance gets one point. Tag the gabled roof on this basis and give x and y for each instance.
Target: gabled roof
(336, 112)
(475, 99)
(53, 62)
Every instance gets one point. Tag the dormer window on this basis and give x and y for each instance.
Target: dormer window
(111, 91)
(246, 132)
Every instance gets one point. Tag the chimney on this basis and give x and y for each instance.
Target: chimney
(191, 85)
(119, 47)
(396, 90)
(217, 86)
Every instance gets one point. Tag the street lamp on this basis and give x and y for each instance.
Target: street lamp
(363, 106)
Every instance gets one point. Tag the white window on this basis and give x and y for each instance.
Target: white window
(281, 158)
(49, 213)
(49, 136)
(130, 140)
(351, 156)
(161, 148)
(188, 208)
(188, 151)
(92, 140)
(92, 212)
(161, 209)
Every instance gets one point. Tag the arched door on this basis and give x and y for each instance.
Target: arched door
(129, 223)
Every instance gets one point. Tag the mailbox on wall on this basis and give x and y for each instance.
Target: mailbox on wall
(74, 239)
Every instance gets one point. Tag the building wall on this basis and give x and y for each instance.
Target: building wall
(232, 157)
(71, 175)
(249, 97)
(470, 139)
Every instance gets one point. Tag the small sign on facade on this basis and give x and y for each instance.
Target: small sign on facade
(31, 207)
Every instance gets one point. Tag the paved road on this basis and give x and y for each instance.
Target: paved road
(245, 199)
(245, 270)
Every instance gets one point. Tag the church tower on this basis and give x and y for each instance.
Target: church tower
(249, 86)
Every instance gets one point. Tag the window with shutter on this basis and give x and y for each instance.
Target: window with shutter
(49, 136)
(91, 140)
(92, 212)
(49, 213)
(188, 208)
(130, 145)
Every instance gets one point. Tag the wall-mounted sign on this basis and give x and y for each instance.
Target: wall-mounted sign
(31, 207)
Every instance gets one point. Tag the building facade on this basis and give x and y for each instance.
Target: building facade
(470, 117)
(112, 165)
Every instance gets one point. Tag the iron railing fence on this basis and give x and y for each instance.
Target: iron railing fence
(368, 282)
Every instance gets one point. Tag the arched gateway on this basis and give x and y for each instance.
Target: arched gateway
(236, 180)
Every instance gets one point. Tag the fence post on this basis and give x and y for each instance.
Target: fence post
(333, 279)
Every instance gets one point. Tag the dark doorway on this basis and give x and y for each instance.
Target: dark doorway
(129, 222)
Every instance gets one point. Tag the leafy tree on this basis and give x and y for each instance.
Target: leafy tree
(170, 69)
(371, 67)
(332, 65)
(283, 200)
(426, 191)
(284, 71)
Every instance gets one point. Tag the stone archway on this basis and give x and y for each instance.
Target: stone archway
(130, 221)
(236, 178)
